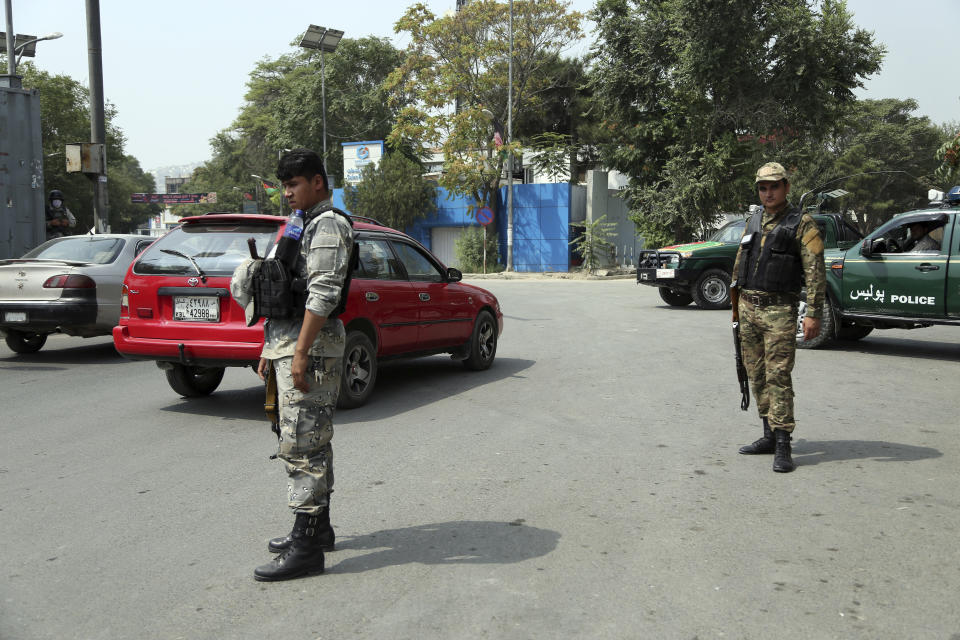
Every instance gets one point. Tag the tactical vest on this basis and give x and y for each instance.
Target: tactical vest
(775, 267)
(279, 292)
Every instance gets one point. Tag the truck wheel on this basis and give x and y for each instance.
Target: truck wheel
(359, 371)
(826, 324)
(712, 290)
(675, 298)
(853, 332)
(20, 342)
(483, 343)
(194, 382)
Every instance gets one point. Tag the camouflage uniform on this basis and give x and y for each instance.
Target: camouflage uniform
(306, 419)
(768, 331)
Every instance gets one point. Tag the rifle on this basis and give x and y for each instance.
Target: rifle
(738, 351)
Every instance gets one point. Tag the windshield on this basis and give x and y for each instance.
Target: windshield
(216, 248)
(729, 233)
(89, 249)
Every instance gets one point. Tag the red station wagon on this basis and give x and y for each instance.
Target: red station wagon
(176, 306)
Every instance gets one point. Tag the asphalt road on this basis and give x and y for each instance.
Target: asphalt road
(586, 486)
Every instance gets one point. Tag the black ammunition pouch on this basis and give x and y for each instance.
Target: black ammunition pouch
(278, 293)
(776, 266)
(274, 292)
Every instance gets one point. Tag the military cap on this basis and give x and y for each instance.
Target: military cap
(771, 172)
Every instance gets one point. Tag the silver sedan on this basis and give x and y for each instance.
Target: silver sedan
(66, 285)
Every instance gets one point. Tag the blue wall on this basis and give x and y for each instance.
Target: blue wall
(541, 229)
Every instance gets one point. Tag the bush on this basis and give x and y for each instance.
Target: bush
(593, 242)
(469, 248)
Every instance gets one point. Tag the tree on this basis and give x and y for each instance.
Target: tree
(695, 94)
(947, 175)
(393, 192)
(890, 153)
(457, 66)
(283, 110)
(64, 119)
(593, 242)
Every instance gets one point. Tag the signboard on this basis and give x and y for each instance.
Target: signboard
(357, 155)
(174, 198)
(484, 216)
(86, 157)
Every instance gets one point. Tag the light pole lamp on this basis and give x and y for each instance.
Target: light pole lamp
(29, 48)
(323, 39)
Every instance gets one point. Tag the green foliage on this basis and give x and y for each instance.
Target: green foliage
(693, 95)
(469, 249)
(593, 242)
(65, 118)
(283, 110)
(464, 56)
(947, 175)
(553, 152)
(880, 153)
(393, 192)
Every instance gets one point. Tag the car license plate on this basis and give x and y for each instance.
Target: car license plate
(666, 273)
(196, 308)
(15, 316)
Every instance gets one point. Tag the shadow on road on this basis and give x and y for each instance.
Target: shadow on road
(403, 385)
(231, 404)
(50, 359)
(461, 542)
(811, 452)
(877, 345)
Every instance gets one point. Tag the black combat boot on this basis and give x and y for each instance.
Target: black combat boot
(782, 462)
(762, 445)
(326, 536)
(303, 557)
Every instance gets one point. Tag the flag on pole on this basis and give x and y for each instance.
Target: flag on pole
(270, 189)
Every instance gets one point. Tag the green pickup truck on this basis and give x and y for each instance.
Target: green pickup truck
(905, 275)
(700, 272)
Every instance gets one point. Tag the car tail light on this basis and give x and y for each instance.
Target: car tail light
(70, 281)
(124, 301)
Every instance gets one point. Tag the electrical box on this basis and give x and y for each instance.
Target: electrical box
(86, 157)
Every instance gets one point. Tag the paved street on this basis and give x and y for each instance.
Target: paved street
(586, 486)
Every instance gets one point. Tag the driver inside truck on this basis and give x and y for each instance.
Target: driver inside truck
(920, 239)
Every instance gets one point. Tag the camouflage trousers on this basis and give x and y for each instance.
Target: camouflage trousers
(768, 339)
(306, 428)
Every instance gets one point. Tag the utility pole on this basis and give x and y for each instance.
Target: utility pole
(98, 128)
(509, 150)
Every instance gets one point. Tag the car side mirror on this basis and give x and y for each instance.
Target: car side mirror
(454, 275)
(872, 246)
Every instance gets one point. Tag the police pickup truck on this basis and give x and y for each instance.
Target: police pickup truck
(904, 275)
(700, 271)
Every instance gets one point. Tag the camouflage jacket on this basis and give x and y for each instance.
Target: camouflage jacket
(810, 246)
(324, 252)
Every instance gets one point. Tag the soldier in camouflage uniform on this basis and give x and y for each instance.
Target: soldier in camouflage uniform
(305, 357)
(780, 252)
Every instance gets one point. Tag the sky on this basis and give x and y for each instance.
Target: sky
(177, 70)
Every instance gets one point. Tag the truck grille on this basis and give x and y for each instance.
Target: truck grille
(653, 259)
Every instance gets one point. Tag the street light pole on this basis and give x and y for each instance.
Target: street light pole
(258, 187)
(325, 40)
(509, 150)
(11, 41)
(323, 106)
